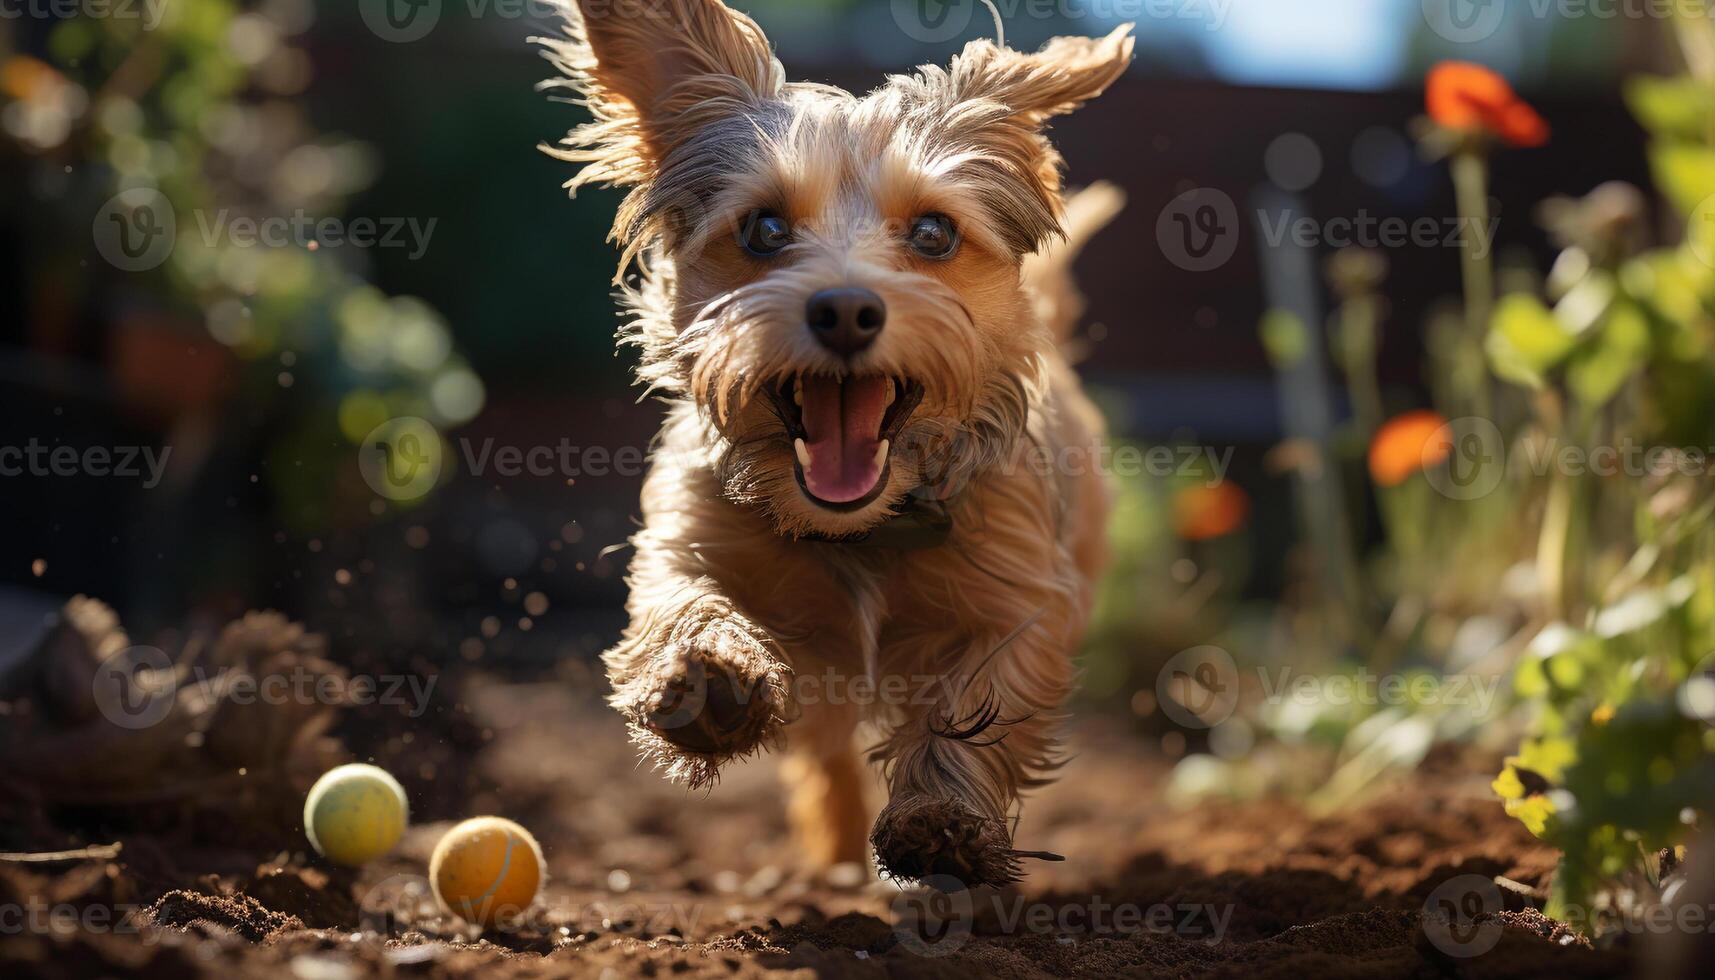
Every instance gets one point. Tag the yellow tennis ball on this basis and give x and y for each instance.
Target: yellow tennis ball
(355, 814)
(486, 870)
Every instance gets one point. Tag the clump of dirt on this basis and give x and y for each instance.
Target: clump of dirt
(235, 913)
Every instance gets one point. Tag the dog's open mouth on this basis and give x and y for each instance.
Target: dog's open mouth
(842, 432)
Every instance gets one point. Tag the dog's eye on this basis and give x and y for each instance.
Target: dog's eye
(764, 233)
(934, 237)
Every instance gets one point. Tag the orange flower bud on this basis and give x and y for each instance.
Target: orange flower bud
(1465, 96)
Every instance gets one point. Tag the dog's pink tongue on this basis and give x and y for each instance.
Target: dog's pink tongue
(842, 431)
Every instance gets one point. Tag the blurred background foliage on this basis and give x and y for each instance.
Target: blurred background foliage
(1387, 510)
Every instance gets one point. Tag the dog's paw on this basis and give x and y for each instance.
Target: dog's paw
(712, 690)
(919, 838)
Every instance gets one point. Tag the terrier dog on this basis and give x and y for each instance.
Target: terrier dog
(862, 474)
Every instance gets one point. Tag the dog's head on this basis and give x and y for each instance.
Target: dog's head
(833, 280)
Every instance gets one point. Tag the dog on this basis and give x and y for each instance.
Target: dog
(834, 297)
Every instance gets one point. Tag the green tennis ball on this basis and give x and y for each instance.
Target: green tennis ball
(355, 814)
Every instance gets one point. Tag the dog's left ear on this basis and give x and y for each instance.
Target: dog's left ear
(653, 72)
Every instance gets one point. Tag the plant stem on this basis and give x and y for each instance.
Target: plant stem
(1357, 348)
(1471, 187)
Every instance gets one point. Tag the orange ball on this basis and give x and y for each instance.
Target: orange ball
(486, 870)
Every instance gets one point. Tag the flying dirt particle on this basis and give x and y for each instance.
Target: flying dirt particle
(536, 603)
(39, 567)
(342, 576)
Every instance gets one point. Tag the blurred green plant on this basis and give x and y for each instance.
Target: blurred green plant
(1546, 525)
(1618, 683)
(202, 108)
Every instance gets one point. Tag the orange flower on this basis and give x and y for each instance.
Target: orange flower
(1470, 97)
(1408, 443)
(25, 79)
(1209, 510)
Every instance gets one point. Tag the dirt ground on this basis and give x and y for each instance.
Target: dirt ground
(648, 880)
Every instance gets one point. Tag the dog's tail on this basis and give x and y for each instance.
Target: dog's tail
(1048, 273)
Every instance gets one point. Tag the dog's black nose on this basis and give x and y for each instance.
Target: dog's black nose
(846, 320)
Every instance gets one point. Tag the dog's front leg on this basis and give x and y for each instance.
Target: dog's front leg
(957, 759)
(698, 682)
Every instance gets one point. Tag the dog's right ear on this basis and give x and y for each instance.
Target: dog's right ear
(653, 72)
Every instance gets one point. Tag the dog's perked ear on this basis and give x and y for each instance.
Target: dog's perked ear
(653, 72)
(997, 100)
(1065, 74)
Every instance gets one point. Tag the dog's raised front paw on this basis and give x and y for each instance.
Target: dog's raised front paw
(711, 689)
(918, 838)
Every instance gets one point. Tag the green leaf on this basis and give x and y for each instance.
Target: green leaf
(1525, 340)
(1685, 172)
(1679, 108)
(1621, 348)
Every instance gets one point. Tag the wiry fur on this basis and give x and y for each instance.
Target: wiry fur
(738, 576)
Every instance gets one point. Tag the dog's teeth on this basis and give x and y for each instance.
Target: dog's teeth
(892, 390)
(881, 454)
(803, 452)
(798, 393)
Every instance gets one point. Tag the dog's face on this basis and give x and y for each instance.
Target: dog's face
(833, 280)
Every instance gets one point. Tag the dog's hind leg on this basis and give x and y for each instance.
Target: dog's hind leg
(825, 779)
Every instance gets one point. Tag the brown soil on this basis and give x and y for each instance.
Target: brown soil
(649, 880)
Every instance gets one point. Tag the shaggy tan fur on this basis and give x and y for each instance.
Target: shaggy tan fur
(741, 583)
